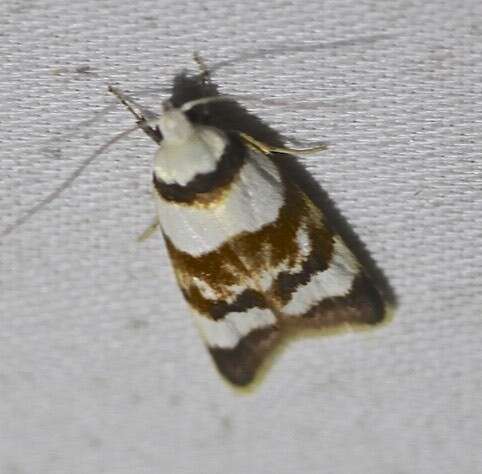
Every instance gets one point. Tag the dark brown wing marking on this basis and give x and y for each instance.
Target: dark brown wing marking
(239, 364)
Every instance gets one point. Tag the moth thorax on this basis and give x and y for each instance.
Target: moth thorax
(175, 126)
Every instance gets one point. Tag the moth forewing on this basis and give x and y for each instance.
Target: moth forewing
(253, 255)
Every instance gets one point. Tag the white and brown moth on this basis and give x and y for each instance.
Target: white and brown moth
(253, 255)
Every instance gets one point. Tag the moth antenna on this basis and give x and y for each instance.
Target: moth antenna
(72, 130)
(141, 115)
(144, 92)
(66, 184)
(204, 100)
(291, 103)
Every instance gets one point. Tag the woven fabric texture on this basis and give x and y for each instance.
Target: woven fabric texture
(101, 369)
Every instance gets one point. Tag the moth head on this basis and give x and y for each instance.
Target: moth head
(175, 125)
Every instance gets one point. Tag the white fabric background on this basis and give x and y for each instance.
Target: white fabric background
(101, 370)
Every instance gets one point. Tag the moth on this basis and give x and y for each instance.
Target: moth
(253, 255)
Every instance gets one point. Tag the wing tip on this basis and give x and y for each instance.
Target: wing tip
(372, 305)
(240, 364)
(362, 307)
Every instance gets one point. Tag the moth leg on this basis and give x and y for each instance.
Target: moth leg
(149, 231)
(299, 151)
(268, 149)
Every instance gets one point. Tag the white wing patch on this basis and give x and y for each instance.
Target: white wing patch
(303, 241)
(336, 280)
(254, 200)
(227, 332)
(205, 289)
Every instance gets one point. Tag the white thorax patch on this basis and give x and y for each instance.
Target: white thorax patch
(186, 149)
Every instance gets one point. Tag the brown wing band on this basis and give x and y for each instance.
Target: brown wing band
(219, 309)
